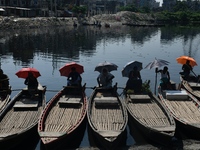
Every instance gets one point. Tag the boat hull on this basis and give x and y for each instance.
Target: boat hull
(107, 118)
(189, 131)
(152, 129)
(97, 140)
(192, 86)
(69, 105)
(22, 126)
(4, 99)
(71, 141)
(149, 135)
(185, 110)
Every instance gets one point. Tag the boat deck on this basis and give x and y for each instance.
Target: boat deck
(184, 110)
(17, 120)
(63, 117)
(148, 112)
(107, 113)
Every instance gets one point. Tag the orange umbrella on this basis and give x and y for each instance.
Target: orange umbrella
(23, 73)
(66, 69)
(182, 60)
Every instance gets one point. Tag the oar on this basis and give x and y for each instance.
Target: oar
(120, 87)
(91, 87)
(194, 73)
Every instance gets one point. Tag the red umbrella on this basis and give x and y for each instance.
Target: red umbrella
(23, 73)
(66, 69)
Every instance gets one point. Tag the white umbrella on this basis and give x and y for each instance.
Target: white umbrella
(109, 66)
(129, 67)
(156, 63)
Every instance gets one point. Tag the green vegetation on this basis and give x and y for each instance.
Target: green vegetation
(180, 16)
(180, 12)
(79, 9)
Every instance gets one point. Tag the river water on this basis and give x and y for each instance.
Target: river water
(48, 49)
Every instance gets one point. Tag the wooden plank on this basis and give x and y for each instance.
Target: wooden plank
(140, 98)
(51, 134)
(26, 103)
(176, 95)
(70, 99)
(106, 101)
(165, 128)
(133, 96)
(106, 98)
(109, 133)
(194, 84)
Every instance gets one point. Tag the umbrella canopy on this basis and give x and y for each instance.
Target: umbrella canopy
(23, 73)
(66, 69)
(109, 66)
(182, 60)
(157, 63)
(129, 67)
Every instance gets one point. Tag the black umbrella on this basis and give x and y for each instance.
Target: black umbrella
(109, 66)
(129, 67)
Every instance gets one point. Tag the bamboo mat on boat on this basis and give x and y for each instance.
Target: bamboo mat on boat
(62, 119)
(185, 110)
(149, 113)
(16, 121)
(107, 118)
(195, 92)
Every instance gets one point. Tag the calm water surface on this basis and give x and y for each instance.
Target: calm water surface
(49, 49)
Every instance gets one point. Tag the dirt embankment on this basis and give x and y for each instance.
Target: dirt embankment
(120, 18)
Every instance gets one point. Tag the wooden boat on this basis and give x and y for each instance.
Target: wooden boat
(4, 99)
(18, 121)
(185, 109)
(192, 86)
(107, 117)
(63, 118)
(149, 115)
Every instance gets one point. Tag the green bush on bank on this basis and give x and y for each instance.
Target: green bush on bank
(180, 16)
(180, 13)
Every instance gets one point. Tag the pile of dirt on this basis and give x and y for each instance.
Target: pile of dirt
(21, 23)
(119, 18)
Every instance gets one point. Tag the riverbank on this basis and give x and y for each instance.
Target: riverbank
(120, 18)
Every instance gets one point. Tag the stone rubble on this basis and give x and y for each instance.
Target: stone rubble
(119, 18)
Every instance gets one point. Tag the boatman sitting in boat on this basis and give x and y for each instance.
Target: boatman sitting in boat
(134, 83)
(105, 79)
(4, 82)
(165, 78)
(186, 70)
(32, 83)
(74, 78)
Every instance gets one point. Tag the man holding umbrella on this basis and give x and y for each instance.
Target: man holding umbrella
(105, 78)
(186, 70)
(74, 78)
(165, 78)
(32, 84)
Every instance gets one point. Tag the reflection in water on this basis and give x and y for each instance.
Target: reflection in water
(67, 43)
(49, 48)
(189, 36)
